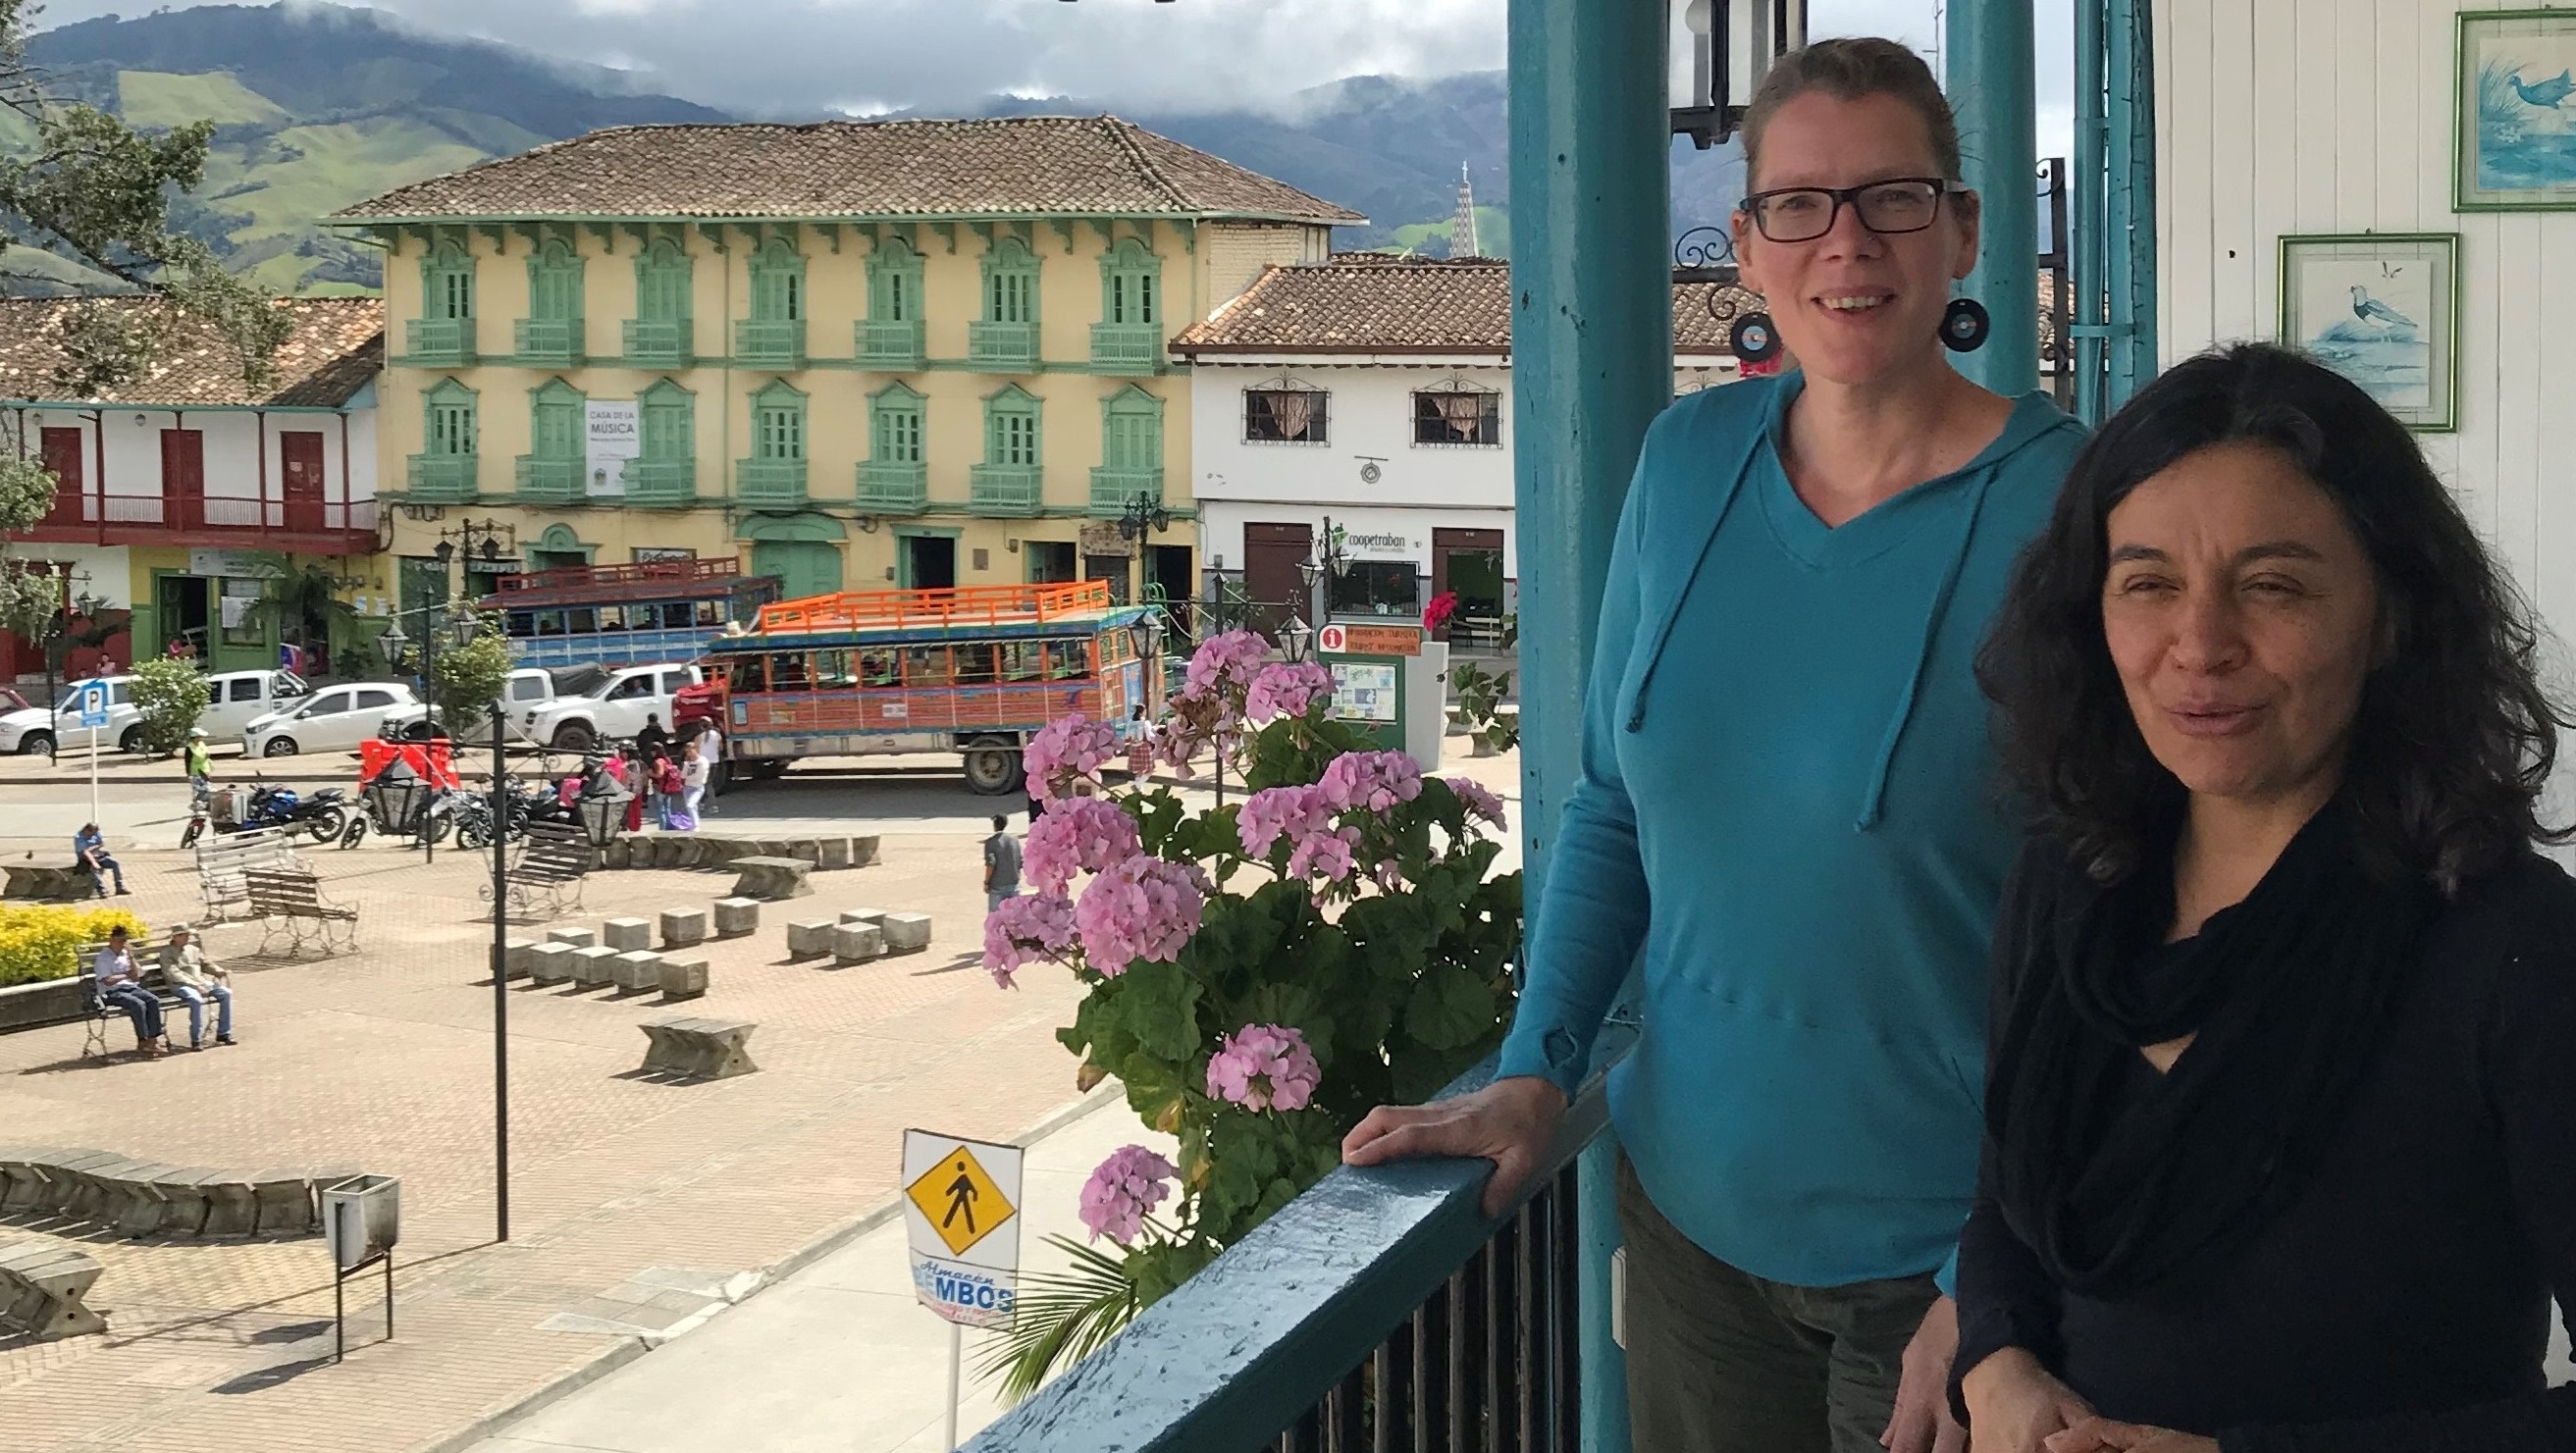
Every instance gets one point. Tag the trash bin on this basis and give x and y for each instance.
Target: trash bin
(361, 1218)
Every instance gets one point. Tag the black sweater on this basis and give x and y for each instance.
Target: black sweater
(2401, 1303)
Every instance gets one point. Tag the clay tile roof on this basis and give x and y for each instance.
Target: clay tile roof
(1016, 166)
(1369, 303)
(336, 348)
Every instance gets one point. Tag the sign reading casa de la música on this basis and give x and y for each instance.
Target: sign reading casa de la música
(961, 1219)
(612, 433)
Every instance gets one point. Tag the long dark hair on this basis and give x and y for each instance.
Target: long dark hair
(2455, 736)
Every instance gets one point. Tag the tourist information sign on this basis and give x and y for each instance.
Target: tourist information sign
(961, 1214)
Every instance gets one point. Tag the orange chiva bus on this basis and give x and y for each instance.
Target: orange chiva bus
(977, 670)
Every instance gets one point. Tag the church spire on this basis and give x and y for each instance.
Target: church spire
(1462, 228)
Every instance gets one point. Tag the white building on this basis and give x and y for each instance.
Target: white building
(1375, 392)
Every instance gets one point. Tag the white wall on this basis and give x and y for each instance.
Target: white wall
(131, 463)
(1369, 418)
(2310, 116)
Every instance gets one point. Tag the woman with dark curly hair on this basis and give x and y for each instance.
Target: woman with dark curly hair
(2281, 1109)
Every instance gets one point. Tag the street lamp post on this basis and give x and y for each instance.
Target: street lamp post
(500, 989)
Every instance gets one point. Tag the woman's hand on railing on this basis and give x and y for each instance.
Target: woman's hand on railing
(2015, 1406)
(1509, 1122)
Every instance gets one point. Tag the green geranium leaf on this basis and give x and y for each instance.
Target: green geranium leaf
(1450, 1008)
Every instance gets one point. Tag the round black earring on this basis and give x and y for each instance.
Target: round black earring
(1964, 325)
(1754, 339)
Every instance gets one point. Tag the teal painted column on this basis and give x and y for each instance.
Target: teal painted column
(1990, 84)
(1592, 359)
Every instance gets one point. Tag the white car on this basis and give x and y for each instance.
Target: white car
(616, 708)
(530, 689)
(336, 718)
(237, 698)
(36, 731)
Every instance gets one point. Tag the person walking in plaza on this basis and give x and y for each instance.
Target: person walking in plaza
(201, 770)
(185, 967)
(1788, 800)
(89, 849)
(1001, 865)
(2278, 1151)
(120, 987)
(707, 750)
(670, 790)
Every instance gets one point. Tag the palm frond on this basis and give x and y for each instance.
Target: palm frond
(1059, 1319)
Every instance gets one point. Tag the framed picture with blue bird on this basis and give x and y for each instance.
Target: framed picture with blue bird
(2382, 309)
(2514, 131)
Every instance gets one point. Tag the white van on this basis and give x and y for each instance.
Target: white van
(237, 697)
(616, 708)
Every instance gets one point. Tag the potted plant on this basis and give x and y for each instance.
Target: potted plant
(1491, 727)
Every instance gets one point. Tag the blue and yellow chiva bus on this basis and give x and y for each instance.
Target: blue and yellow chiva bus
(976, 670)
(625, 615)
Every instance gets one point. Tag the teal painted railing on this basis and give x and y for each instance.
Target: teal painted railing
(441, 478)
(439, 342)
(1380, 1309)
(1002, 347)
(896, 347)
(1126, 348)
(1005, 489)
(661, 481)
(769, 483)
(777, 343)
(1111, 489)
(548, 481)
(893, 486)
(556, 341)
(656, 342)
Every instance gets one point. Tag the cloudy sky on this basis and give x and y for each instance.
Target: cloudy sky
(863, 56)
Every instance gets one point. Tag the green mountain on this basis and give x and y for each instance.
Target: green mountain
(316, 107)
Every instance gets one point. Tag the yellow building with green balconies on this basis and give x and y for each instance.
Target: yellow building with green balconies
(853, 355)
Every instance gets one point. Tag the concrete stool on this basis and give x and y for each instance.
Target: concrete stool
(907, 933)
(636, 970)
(572, 937)
(515, 958)
(873, 917)
(285, 1201)
(772, 879)
(737, 917)
(707, 1049)
(683, 927)
(590, 965)
(627, 934)
(683, 976)
(549, 963)
(856, 943)
(832, 852)
(810, 939)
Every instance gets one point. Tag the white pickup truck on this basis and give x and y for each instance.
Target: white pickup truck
(529, 689)
(616, 708)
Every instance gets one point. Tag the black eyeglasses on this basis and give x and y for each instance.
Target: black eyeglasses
(1803, 214)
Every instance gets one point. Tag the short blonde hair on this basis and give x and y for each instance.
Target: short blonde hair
(1848, 70)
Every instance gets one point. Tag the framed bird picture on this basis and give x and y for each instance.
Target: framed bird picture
(2382, 309)
(2514, 132)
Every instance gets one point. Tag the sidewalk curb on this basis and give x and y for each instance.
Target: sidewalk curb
(626, 1349)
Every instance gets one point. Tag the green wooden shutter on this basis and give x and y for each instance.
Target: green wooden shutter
(894, 435)
(781, 431)
(669, 425)
(777, 284)
(451, 421)
(662, 284)
(555, 428)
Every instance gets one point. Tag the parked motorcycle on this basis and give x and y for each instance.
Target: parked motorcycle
(324, 816)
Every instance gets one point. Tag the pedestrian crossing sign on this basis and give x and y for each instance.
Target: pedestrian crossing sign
(961, 1212)
(959, 1200)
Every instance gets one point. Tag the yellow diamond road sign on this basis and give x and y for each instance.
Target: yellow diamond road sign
(960, 1201)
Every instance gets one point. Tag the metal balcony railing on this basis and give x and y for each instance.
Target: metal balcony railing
(768, 483)
(1126, 348)
(661, 481)
(1111, 489)
(1378, 1310)
(555, 342)
(443, 478)
(547, 481)
(439, 342)
(1006, 489)
(1002, 347)
(893, 486)
(776, 343)
(896, 347)
(656, 342)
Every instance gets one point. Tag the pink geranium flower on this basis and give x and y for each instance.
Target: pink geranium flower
(1264, 1067)
(1144, 909)
(1025, 930)
(1083, 835)
(1124, 1191)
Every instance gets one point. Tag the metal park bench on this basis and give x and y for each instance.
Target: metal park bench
(223, 860)
(97, 1014)
(546, 881)
(290, 903)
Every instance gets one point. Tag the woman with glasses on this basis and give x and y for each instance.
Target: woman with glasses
(1788, 804)
(2285, 1037)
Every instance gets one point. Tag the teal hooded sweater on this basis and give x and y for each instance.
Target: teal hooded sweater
(1789, 803)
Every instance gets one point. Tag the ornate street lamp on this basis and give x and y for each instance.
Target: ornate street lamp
(1733, 45)
(398, 796)
(601, 807)
(1295, 638)
(1143, 512)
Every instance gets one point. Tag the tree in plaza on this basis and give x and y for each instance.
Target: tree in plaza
(171, 693)
(467, 679)
(30, 600)
(303, 603)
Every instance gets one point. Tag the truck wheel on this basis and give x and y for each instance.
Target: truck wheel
(992, 771)
(574, 736)
(36, 744)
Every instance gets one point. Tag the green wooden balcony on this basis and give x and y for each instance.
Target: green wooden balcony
(1126, 348)
(661, 482)
(769, 483)
(1111, 489)
(439, 342)
(1006, 489)
(657, 342)
(1002, 347)
(548, 481)
(904, 487)
(892, 347)
(442, 479)
(769, 343)
(548, 342)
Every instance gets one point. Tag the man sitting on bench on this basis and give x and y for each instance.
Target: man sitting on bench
(198, 979)
(89, 849)
(120, 984)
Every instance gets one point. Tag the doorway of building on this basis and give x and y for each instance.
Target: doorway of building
(299, 454)
(929, 562)
(183, 478)
(1470, 562)
(803, 567)
(1050, 562)
(1118, 570)
(1170, 570)
(1271, 554)
(183, 606)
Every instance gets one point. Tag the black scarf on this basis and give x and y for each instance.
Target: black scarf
(2288, 994)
